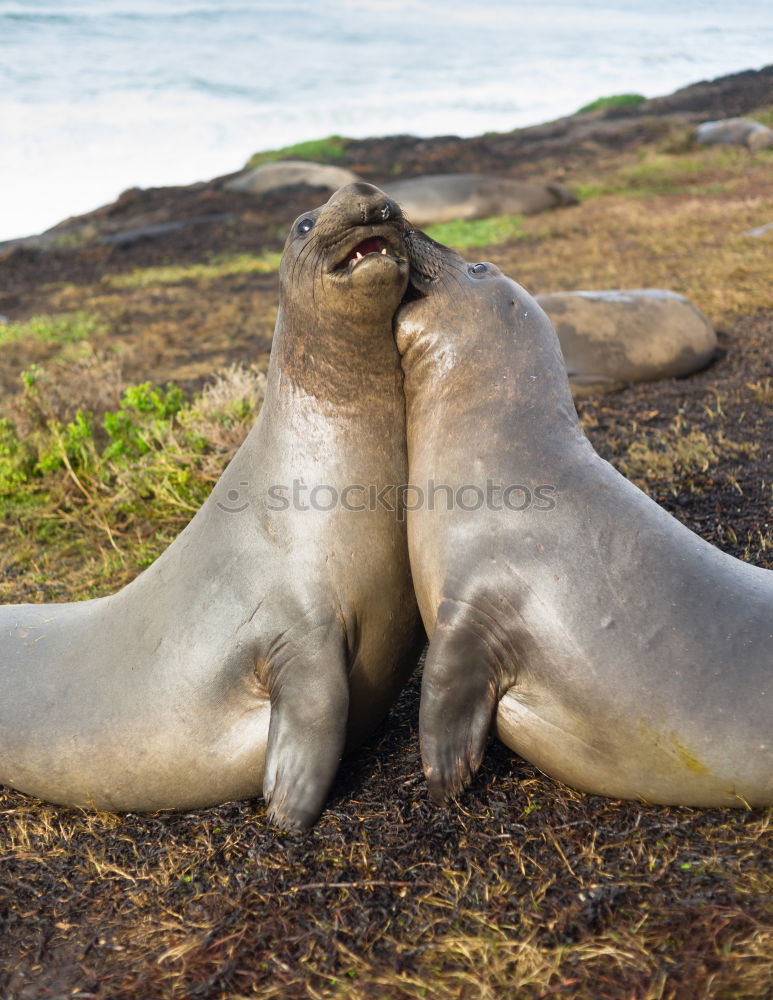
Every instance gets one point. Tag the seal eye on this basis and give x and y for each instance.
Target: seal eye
(305, 225)
(479, 269)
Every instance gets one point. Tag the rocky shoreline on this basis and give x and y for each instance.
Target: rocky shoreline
(169, 217)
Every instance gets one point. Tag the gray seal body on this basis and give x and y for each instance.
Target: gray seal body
(278, 626)
(603, 640)
(734, 132)
(282, 174)
(441, 197)
(613, 337)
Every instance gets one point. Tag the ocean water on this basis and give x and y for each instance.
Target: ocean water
(100, 95)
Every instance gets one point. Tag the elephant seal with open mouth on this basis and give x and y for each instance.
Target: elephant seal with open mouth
(280, 624)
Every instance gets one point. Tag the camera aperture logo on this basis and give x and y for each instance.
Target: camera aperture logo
(399, 499)
(236, 502)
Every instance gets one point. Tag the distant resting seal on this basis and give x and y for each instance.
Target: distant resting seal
(607, 643)
(735, 132)
(287, 173)
(441, 197)
(272, 627)
(611, 338)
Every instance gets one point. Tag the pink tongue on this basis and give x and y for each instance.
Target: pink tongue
(372, 245)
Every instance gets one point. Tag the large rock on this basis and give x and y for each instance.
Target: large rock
(287, 173)
(441, 197)
(611, 338)
(735, 132)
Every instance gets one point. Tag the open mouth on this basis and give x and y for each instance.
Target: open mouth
(372, 245)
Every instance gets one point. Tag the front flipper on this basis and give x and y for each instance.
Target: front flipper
(460, 689)
(309, 691)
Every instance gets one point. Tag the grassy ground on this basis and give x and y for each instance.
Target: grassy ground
(524, 888)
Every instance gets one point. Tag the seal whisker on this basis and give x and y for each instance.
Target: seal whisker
(454, 274)
(304, 252)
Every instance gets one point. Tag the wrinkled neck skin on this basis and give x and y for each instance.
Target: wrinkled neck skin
(320, 355)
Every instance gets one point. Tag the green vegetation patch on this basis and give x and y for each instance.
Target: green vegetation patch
(125, 481)
(218, 267)
(65, 328)
(614, 101)
(764, 116)
(464, 234)
(15, 460)
(321, 150)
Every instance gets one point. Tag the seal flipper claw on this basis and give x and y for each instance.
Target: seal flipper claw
(458, 701)
(306, 737)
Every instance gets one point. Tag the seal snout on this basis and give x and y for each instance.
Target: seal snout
(380, 208)
(373, 206)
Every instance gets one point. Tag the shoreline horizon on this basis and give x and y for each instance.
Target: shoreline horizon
(381, 137)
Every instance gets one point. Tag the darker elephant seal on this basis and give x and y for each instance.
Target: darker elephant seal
(607, 643)
(278, 624)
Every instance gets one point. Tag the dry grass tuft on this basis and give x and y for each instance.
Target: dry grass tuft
(676, 453)
(224, 413)
(696, 245)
